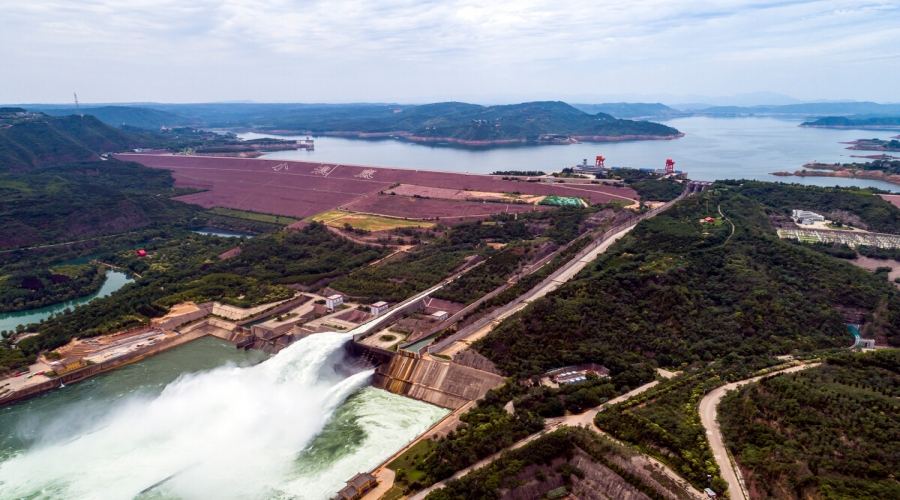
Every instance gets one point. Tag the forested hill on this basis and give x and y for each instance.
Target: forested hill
(832, 431)
(878, 122)
(32, 140)
(677, 290)
(118, 116)
(525, 121)
(454, 120)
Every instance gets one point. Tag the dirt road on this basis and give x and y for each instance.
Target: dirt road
(708, 412)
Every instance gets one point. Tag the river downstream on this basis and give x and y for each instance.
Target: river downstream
(213, 422)
(114, 281)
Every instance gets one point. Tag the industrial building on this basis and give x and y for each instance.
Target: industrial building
(599, 167)
(334, 301)
(805, 217)
(576, 373)
(440, 315)
(378, 308)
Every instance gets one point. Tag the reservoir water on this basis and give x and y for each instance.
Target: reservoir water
(712, 148)
(114, 281)
(215, 231)
(212, 422)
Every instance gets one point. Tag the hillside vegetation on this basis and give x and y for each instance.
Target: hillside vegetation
(677, 290)
(447, 120)
(877, 122)
(830, 432)
(117, 116)
(43, 140)
(185, 267)
(76, 200)
(860, 207)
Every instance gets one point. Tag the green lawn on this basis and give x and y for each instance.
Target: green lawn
(406, 461)
(243, 214)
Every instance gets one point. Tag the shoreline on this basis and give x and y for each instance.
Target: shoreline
(836, 170)
(96, 369)
(573, 139)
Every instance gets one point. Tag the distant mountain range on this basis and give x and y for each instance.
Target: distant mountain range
(449, 121)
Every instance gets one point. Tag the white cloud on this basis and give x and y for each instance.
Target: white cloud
(270, 50)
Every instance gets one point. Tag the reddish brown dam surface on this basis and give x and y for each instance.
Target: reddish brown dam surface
(303, 189)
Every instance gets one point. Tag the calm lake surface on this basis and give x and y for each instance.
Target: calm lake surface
(215, 231)
(114, 281)
(712, 148)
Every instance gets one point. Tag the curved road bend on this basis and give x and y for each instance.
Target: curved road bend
(708, 412)
(585, 419)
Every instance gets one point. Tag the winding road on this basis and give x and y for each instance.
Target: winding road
(708, 414)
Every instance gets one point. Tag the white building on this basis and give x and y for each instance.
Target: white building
(334, 301)
(806, 217)
(440, 315)
(378, 308)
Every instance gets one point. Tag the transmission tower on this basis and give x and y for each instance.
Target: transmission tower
(77, 108)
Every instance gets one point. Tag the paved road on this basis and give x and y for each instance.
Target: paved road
(585, 419)
(708, 411)
(569, 272)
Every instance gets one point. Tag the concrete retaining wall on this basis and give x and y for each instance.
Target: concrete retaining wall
(89, 371)
(445, 384)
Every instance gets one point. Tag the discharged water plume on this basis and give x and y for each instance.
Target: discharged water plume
(230, 432)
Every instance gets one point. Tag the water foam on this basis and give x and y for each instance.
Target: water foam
(228, 433)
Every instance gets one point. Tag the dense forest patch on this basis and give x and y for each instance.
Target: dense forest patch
(872, 212)
(185, 267)
(665, 422)
(828, 432)
(546, 466)
(77, 200)
(678, 290)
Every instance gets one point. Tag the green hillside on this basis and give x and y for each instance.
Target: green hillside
(676, 290)
(830, 432)
(526, 121)
(878, 122)
(37, 139)
(118, 116)
(453, 120)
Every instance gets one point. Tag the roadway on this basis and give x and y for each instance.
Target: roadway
(708, 414)
(569, 271)
(585, 419)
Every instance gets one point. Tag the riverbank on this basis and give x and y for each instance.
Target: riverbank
(838, 170)
(407, 136)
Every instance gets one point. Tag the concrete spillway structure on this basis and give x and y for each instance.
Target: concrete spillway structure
(441, 383)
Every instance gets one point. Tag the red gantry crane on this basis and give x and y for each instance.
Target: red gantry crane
(670, 166)
(600, 161)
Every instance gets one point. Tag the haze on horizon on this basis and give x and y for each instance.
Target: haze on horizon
(423, 51)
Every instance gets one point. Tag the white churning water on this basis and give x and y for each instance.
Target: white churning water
(290, 427)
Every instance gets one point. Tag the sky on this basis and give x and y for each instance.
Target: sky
(413, 51)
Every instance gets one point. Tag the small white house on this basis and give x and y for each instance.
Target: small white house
(378, 308)
(334, 301)
(440, 316)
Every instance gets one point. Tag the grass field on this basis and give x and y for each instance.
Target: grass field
(241, 214)
(406, 461)
(337, 218)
